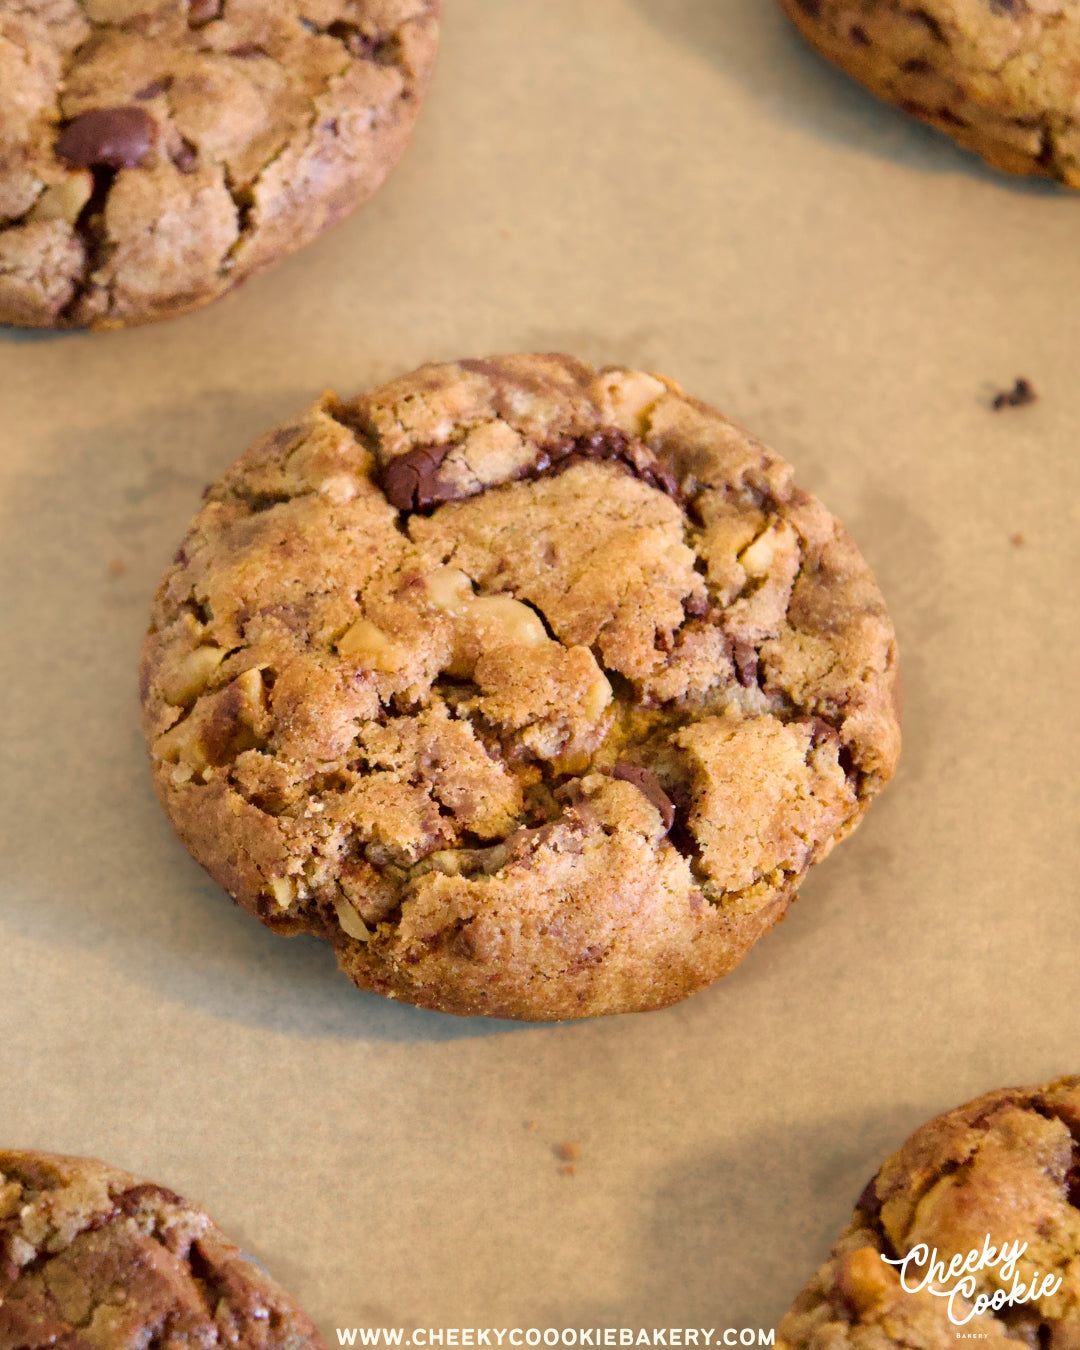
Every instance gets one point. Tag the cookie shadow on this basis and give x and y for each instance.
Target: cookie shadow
(88, 861)
(755, 44)
(11, 334)
(728, 1238)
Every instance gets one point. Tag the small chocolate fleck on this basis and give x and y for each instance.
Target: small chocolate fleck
(247, 51)
(155, 87)
(116, 138)
(928, 21)
(810, 7)
(1019, 396)
(203, 11)
(186, 156)
(870, 1202)
(355, 43)
(915, 108)
(859, 35)
(744, 654)
(649, 786)
(820, 730)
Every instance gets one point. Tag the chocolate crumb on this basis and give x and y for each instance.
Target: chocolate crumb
(1019, 396)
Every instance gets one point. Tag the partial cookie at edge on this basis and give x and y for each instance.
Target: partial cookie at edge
(92, 1256)
(998, 78)
(156, 153)
(1002, 1171)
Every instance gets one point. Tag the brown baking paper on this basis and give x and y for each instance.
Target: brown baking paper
(678, 185)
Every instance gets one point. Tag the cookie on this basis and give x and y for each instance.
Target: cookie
(156, 153)
(94, 1259)
(999, 76)
(535, 690)
(970, 1231)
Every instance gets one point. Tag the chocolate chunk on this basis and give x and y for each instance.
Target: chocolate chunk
(116, 138)
(649, 786)
(1021, 394)
(409, 481)
(608, 444)
(810, 7)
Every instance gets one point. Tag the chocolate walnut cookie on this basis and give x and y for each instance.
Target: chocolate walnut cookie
(92, 1259)
(534, 690)
(999, 76)
(155, 153)
(971, 1231)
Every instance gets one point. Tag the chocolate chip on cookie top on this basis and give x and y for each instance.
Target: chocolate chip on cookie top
(970, 1231)
(94, 1259)
(155, 153)
(999, 76)
(534, 689)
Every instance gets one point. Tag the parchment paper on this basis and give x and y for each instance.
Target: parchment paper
(675, 184)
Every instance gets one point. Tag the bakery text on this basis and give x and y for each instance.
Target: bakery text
(922, 1268)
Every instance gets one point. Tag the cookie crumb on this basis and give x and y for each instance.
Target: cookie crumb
(1017, 540)
(568, 1171)
(116, 566)
(568, 1152)
(1019, 396)
(530, 1124)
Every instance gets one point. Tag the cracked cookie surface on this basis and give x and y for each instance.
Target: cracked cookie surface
(1002, 77)
(536, 690)
(156, 153)
(94, 1259)
(1002, 1171)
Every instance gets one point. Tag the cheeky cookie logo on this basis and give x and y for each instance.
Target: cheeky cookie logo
(958, 1280)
